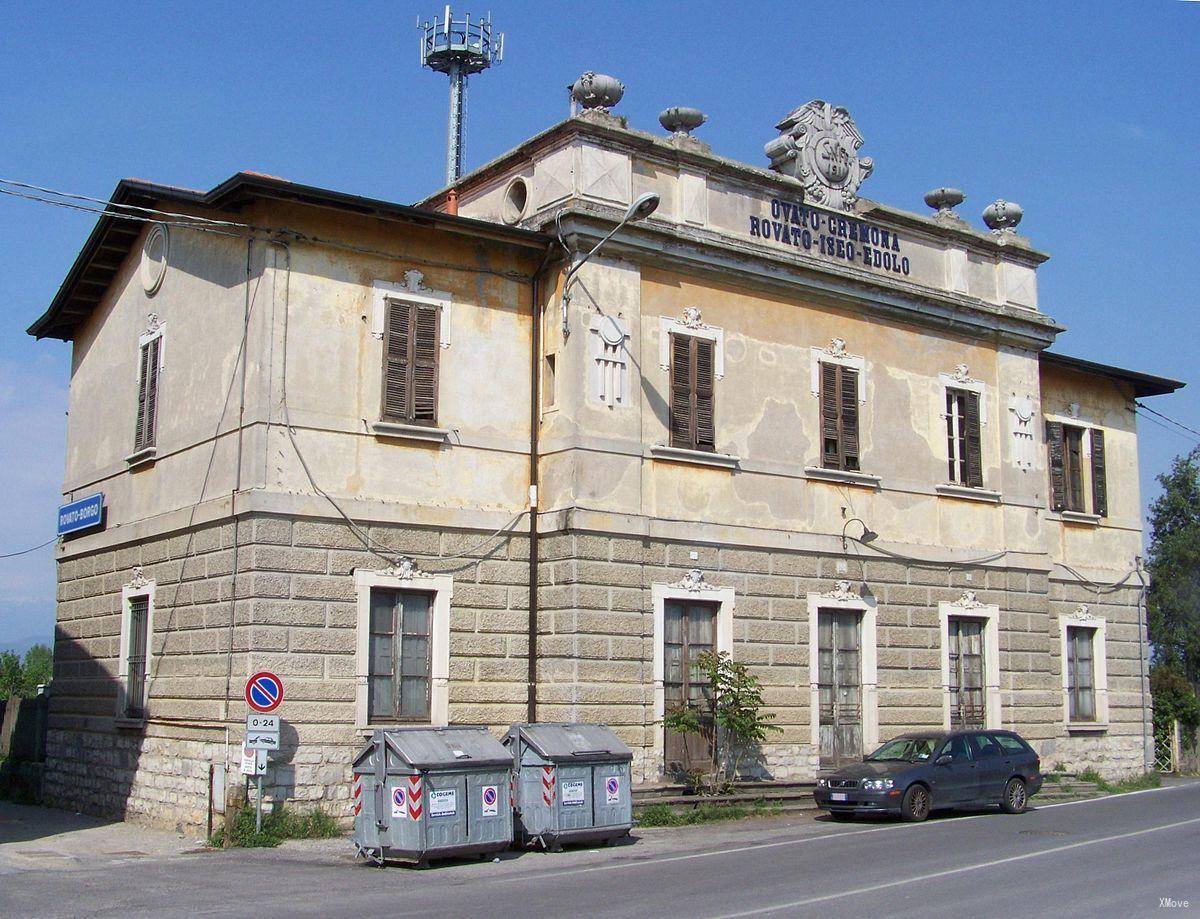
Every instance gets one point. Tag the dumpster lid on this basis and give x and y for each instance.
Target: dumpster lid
(563, 743)
(442, 749)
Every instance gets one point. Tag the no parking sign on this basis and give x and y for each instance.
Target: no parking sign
(264, 691)
(490, 798)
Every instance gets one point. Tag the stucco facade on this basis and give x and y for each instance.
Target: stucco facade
(278, 497)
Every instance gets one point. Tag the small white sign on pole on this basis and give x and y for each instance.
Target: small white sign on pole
(254, 762)
(262, 731)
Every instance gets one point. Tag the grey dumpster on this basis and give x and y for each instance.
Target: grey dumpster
(572, 783)
(426, 793)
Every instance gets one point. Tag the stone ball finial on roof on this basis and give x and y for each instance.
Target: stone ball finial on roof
(1002, 216)
(681, 120)
(596, 91)
(945, 200)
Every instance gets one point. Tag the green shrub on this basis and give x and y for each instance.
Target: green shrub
(665, 815)
(278, 824)
(1133, 783)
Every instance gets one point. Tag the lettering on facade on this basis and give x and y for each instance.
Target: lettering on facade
(846, 239)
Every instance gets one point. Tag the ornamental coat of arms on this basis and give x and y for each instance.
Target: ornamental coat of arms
(818, 144)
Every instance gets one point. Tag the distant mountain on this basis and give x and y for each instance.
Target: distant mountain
(24, 643)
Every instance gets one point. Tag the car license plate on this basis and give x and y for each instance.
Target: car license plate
(838, 796)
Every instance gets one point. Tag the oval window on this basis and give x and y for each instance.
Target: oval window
(516, 197)
(154, 258)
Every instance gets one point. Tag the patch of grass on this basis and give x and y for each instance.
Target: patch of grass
(1133, 783)
(278, 824)
(665, 815)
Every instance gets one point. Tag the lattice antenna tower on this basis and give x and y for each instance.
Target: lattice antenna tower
(459, 47)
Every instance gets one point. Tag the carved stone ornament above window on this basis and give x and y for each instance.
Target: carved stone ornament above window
(405, 569)
(152, 324)
(968, 601)
(691, 324)
(842, 591)
(139, 579)
(836, 353)
(1082, 612)
(693, 580)
(411, 290)
(837, 348)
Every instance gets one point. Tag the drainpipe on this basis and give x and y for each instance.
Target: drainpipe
(535, 421)
(1148, 754)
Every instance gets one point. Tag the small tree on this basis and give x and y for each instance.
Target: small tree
(1174, 701)
(733, 708)
(17, 679)
(1174, 564)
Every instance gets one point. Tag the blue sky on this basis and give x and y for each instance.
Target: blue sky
(1085, 114)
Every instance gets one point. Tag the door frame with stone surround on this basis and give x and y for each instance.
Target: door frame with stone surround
(843, 598)
(691, 588)
(967, 607)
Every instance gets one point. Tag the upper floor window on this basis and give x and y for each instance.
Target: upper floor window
(839, 394)
(692, 372)
(410, 363)
(149, 373)
(964, 442)
(1077, 468)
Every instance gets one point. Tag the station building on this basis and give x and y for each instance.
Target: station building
(427, 467)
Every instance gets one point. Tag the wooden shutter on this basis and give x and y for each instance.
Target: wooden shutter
(974, 457)
(147, 408)
(425, 365)
(831, 454)
(1099, 485)
(703, 394)
(682, 419)
(848, 386)
(396, 362)
(1058, 478)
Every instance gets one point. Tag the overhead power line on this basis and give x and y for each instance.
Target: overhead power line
(1178, 424)
(33, 549)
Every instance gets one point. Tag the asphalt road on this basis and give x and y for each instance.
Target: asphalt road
(1107, 857)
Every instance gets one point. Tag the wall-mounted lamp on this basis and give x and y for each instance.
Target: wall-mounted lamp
(641, 208)
(867, 534)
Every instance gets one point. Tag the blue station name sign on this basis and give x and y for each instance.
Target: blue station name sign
(84, 514)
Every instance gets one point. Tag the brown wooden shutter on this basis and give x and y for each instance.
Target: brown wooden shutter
(830, 441)
(682, 419)
(1058, 479)
(144, 428)
(396, 362)
(849, 433)
(425, 365)
(1099, 485)
(974, 457)
(703, 394)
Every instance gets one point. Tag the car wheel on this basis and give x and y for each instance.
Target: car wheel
(1016, 797)
(916, 804)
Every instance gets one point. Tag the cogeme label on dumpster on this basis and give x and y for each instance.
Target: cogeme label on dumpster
(572, 794)
(490, 798)
(398, 811)
(443, 803)
(612, 790)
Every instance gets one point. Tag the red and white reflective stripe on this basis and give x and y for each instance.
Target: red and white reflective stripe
(356, 795)
(512, 795)
(415, 804)
(547, 785)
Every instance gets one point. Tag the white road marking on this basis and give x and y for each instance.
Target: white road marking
(808, 901)
(903, 827)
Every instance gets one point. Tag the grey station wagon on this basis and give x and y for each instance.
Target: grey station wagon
(914, 774)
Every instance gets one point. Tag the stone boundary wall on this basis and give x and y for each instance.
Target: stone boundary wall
(296, 608)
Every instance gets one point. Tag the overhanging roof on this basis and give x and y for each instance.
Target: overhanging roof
(1143, 384)
(110, 241)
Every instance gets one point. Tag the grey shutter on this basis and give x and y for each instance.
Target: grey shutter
(849, 427)
(831, 454)
(397, 391)
(1099, 485)
(425, 365)
(703, 395)
(974, 456)
(1058, 479)
(681, 422)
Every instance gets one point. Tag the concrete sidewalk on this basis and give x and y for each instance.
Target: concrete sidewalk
(40, 838)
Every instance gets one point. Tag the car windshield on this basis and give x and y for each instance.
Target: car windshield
(905, 749)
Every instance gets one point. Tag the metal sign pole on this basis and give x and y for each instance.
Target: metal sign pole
(258, 806)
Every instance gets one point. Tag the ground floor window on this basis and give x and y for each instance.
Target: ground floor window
(965, 638)
(839, 685)
(1085, 670)
(137, 627)
(689, 629)
(403, 649)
